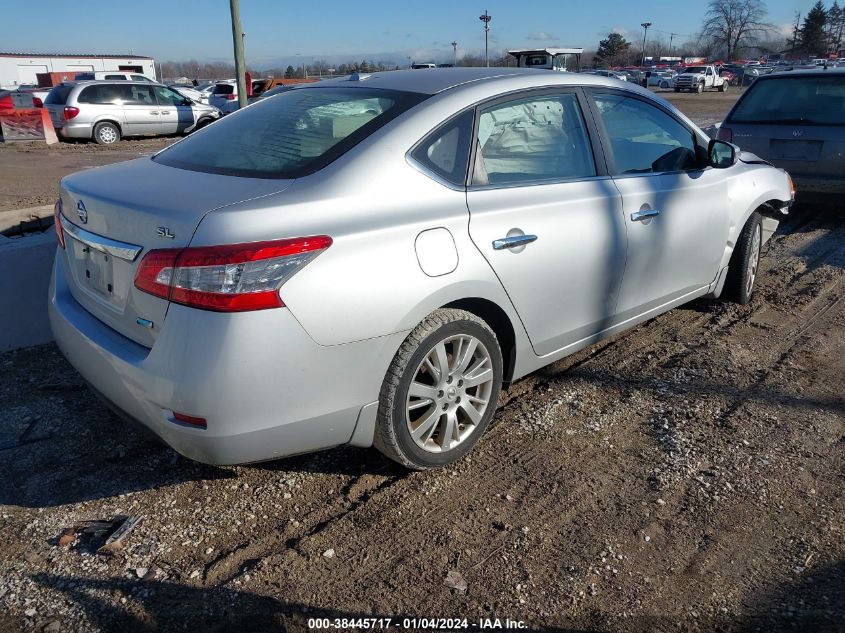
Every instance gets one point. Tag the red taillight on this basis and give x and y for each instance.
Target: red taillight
(231, 97)
(70, 112)
(725, 134)
(37, 102)
(231, 278)
(190, 419)
(57, 224)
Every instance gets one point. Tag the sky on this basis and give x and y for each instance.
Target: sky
(282, 32)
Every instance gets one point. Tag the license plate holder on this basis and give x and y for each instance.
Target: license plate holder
(97, 271)
(807, 151)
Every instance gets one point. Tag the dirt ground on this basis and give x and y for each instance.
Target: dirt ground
(685, 476)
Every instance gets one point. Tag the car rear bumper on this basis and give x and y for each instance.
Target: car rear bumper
(266, 389)
(818, 188)
(75, 130)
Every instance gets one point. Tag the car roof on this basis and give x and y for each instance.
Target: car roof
(804, 72)
(439, 79)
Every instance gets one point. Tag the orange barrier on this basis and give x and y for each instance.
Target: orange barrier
(32, 124)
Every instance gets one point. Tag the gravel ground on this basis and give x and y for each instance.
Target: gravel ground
(685, 476)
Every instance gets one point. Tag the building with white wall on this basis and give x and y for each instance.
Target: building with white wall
(22, 68)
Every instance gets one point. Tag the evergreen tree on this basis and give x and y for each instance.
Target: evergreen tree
(813, 32)
(613, 49)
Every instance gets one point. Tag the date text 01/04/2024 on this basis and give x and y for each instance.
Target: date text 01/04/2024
(427, 624)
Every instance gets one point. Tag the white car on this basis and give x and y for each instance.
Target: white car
(224, 96)
(367, 260)
(190, 93)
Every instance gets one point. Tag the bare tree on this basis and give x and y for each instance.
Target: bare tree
(734, 24)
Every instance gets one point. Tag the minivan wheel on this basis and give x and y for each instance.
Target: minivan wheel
(440, 391)
(106, 133)
(742, 269)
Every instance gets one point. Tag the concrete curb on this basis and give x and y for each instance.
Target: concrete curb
(27, 263)
(10, 219)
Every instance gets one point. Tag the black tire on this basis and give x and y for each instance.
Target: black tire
(201, 124)
(393, 436)
(700, 88)
(723, 87)
(106, 133)
(677, 89)
(744, 264)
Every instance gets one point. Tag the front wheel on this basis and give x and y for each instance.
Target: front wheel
(723, 87)
(742, 269)
(700, 88)
(440, 391)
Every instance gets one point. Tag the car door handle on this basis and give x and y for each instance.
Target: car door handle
(642, 214)
(154, 113)
(513, 241)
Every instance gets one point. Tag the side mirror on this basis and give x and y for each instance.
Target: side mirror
(187, 101)
(721, 154)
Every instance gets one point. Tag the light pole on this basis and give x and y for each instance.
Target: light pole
(645, 26)
(486, 19)
(454, 53)
(238, 41)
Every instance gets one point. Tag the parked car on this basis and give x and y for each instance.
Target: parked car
(796, 120)
(371, 258)
(205, 91)
(112, 75)
(188, 92)
(662, 79)
(106, 111)
(606, 73)
(224, 96)
(423, 66)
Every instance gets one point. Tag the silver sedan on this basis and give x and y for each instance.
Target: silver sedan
(368, 260)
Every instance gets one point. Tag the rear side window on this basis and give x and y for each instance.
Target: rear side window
(115, 77)
(534, 139)
(292, 135)
(644, 138)
(223, 89)
(793, 101)
(446, 150)
(58, 95)
(115, 94)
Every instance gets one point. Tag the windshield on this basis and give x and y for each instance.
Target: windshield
(794, 100)
(696, 69)
(291, 135)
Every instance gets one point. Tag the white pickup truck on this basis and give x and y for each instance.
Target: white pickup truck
(699, 79)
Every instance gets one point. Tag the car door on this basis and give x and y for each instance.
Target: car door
(176, 113)
(675, 208)
(141, 111)
(546, 216)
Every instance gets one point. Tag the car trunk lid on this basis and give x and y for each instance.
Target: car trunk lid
(114, 215)
(802, 150)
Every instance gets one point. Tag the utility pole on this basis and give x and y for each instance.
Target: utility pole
(645, 26)
(671, 38)
(238, 41)
(486, 19)
(454, 53)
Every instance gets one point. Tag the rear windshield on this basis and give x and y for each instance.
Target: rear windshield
(58, 95)
(794, 101)
(224, 89)
(293, 134)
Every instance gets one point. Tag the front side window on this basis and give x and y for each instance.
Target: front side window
(168, 97)
(446, 150)
(793, 101)
(115, 77)
(290, 135)
(533, 139)
(141, 78)
(644, 138)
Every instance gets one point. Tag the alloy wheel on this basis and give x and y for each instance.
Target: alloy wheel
(450, 393)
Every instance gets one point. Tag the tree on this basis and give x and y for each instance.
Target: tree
(733, 25)
(835, 27)
(290, 73)
(813, 33)
(613, 49)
